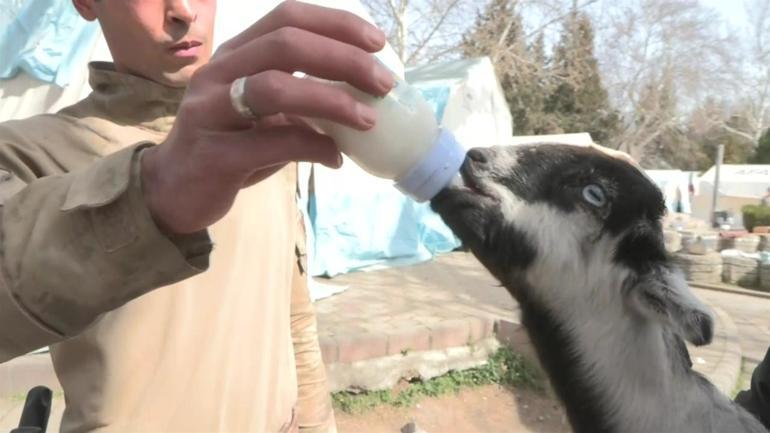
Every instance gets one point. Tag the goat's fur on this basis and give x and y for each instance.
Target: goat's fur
(606, 312)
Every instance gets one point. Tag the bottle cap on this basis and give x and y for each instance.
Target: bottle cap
(435, 171)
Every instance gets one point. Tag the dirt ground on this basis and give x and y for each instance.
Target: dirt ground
(487, 409)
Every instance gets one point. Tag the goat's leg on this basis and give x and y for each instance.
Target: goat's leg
(757, 398)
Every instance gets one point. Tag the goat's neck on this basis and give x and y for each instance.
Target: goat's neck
(609, 371)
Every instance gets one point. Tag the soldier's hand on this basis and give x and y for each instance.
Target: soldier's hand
(191, 180)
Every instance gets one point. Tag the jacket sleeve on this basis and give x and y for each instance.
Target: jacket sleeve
(314, 406)
(76, 245)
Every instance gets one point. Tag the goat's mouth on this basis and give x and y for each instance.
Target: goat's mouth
(468, 189)
(466, 202)
(473, 184)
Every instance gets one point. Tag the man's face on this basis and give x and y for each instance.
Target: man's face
(163, 40)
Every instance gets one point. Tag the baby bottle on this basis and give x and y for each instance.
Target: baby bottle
(406, 145)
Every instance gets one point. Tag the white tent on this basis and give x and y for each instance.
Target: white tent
(467, 98)
(739, 185)
(675, 185)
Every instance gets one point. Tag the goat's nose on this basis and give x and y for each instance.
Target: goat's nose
(479, 156)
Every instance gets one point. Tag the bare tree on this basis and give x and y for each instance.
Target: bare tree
(751, 111)
(422, 31)
(659, 58)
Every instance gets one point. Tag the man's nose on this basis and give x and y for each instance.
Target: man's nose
(180, 11)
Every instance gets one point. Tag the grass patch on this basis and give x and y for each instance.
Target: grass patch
(23, 397)
(17, 397)
(504, 367)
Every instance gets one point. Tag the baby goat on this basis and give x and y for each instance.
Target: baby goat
(575, 236)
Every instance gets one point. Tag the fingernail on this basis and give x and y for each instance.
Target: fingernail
(384, 78)
(339, 160)
(376, 37)
(367, 115)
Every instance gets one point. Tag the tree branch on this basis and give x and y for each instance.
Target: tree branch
(433, 31)
(746, 135)
(557, 19)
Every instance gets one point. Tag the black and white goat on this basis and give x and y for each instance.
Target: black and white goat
(575, 236)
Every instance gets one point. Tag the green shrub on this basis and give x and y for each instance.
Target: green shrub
(755, 215)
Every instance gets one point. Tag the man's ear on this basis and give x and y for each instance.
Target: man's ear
(663, 295)
(85, 8)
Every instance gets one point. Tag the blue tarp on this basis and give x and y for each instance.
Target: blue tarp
(46, 39)
(437, 97)
(361, 230)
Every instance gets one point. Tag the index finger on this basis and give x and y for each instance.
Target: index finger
(333, 23)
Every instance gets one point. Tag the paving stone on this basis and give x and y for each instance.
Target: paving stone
(328, 349)
(414, 339)
(19, 375)
(12, 417)
(7, 406)
(450, 333)
(480, 328)
(358, 347)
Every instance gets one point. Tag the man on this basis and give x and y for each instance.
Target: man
(122, 194)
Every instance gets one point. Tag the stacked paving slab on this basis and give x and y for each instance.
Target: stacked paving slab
(698, 258)
(747, 244)
(764, 243)
(700, 268)
(740, 271)
(706, 257)
(764, 277)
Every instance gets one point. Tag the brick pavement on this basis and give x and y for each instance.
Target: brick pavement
(751, 315)
(443, 303)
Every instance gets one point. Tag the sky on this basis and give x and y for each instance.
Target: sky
(732, 10)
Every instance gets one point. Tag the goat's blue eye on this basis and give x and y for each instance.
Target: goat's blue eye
(594, 195)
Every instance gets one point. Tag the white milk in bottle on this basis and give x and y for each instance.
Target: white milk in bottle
(406, 145)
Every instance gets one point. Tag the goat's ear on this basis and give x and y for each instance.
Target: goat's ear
(663, 295)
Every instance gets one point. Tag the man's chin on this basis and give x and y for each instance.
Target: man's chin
(180, 77)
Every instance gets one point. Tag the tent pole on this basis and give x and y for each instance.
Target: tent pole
(714, 199)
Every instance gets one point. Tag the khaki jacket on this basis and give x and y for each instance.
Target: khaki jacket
(81, 259)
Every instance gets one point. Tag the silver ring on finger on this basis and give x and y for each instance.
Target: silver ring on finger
(238, 99)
